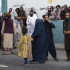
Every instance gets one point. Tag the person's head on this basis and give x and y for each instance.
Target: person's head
(3, 15)
(58, 7)
(67, 15)
(43, 17)
(17, 11)
(10, 10)
(65, 7)
(46, 17)
(31, 13)
(51, 8)
(21, 8)
(24, 30)
(7, 15)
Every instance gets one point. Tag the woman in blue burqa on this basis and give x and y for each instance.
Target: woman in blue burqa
(38, 44)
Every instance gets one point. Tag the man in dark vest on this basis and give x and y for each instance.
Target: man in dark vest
(66, 31)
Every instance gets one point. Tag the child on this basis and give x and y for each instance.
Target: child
(24, 46)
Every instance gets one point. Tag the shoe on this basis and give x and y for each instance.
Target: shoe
(32, 61)
(68, 59)
(25, 65)
(46, 59)
(55, 59)
(12, 53)
(4, 53)
(41, 62)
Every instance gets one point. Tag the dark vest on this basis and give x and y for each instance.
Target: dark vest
(9, 28)
(67, 25)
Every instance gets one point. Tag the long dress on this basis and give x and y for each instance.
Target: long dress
(25, 48)
(49, 42)
(38, 44)
(19, 31)
(66, 27)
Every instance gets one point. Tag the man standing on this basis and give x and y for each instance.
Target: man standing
(62, 14)
(66, 31)
(31, 19)
(49, 42)
(22, 15)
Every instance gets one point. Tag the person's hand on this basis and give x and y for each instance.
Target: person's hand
(65, 32)
(48, 20)
(55, 14)
(68, 32)
(21, 21)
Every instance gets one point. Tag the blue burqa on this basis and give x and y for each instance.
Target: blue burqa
(38, 44)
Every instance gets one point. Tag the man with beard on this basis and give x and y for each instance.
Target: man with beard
(21, 16)
(66, 31)
(62, 14)
(31, 19)
(49, 42)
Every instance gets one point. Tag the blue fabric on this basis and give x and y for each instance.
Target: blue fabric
(26, 60)
(49, 42)
(38, 44)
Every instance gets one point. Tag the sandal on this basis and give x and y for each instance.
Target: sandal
(26, 65)
(12, 53)
(4, 53)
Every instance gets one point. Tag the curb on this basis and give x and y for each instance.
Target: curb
(60, 48)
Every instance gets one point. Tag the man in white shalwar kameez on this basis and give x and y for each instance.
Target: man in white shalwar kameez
(31, 22)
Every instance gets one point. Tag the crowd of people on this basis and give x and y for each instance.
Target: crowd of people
(32, 36)
(57, 13)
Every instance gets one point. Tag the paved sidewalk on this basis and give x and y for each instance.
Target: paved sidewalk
(13, 62)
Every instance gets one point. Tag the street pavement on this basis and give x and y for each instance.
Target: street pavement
(13, 62)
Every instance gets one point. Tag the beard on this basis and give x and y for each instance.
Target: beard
(31, 15)
(67, 19)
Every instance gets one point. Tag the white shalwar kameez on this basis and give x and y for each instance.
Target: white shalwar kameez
(31, 23)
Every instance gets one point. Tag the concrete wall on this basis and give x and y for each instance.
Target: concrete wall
(37, 4)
